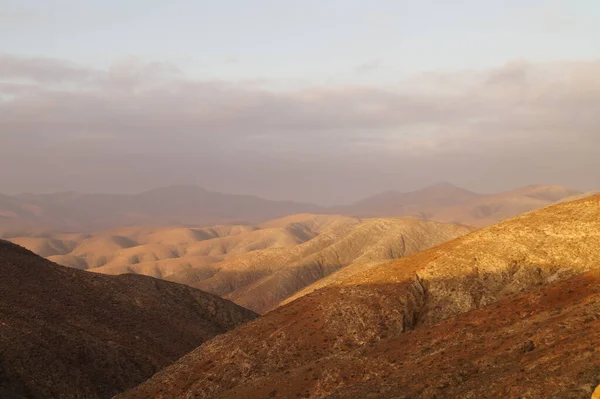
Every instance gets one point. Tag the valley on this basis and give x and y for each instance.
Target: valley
(256, 266)
(352, 306)
(286, 200)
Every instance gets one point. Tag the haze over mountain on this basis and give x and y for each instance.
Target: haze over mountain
(447, 203)
(490, 97)
(129, 125)
(505, 311)
(66, 333)
(38, 214)
(174, 205)
(257, 266)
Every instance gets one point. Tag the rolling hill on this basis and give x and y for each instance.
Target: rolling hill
(66, 333)
(257, 266)
(511, 310)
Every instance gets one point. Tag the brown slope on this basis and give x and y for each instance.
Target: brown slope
(124, 247)
(255, 266)
(580, 196)
(317, 345)
(260, 280)
(541, 344)
(65, 333)
(371, 243)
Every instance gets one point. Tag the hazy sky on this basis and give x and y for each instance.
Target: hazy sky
(325, 101)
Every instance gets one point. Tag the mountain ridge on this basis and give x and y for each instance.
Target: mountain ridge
(257, 266)
(68, 333)
(172, 205)
(448, 203)
(333, 339)
(188, 205)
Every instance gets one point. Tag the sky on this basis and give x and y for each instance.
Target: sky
(325, 101)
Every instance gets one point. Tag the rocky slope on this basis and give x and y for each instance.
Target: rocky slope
(261, 280)
(66, 333)
(506, 311)
(257, 266)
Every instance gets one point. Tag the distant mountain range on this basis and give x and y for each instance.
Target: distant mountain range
(447, 203)
(174, 205)
(194, 206)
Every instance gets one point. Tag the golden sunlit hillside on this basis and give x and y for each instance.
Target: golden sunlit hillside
(255, 266)
(480, 316)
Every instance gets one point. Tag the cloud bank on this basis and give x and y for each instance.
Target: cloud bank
(139, 125)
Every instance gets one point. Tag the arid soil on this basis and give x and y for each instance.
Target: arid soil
(67, 333)
(509, 311)
(256, 266)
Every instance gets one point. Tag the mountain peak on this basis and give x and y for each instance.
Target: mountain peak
(444, 184)
(177, 188)
(444, 187)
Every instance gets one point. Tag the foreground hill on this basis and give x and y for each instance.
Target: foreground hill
(506, 311)
(450, 204)
(541, 344)
(255, 266)
(175, 205)
(65, 333)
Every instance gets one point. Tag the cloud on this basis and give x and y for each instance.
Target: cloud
(42, 70)
(135, 99)
(519, 112)
(513, 73)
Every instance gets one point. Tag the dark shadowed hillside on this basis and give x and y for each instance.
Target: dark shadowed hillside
(66, 333)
